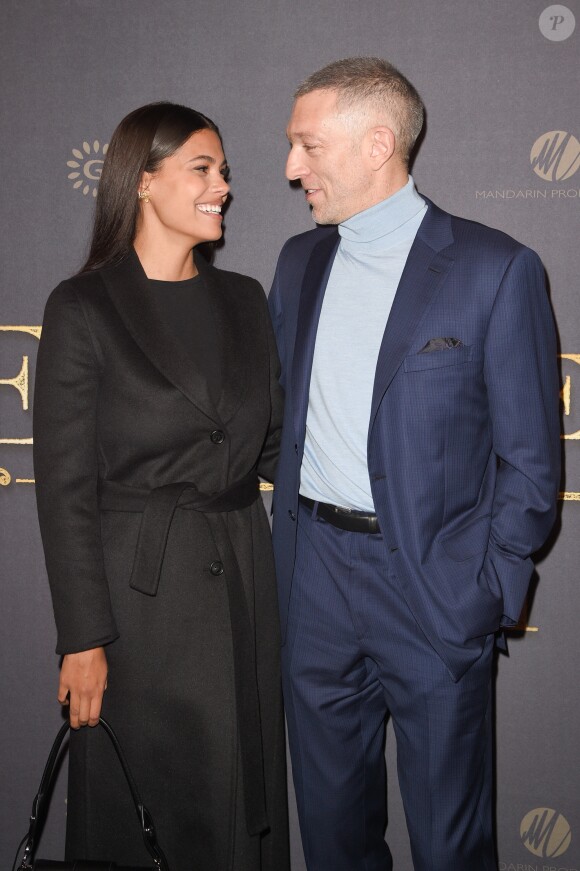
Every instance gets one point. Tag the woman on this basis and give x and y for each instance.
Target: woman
(156, 407)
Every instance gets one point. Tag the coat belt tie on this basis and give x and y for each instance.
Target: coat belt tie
(158, 507)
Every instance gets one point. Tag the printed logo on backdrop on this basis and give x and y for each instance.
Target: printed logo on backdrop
(87, 166)
(554, 157)
(545, 833)
(15, 411)
(557, 23)
(571, 409)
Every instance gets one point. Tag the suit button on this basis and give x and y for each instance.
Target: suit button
(291, 514)
(216, 568)
(295, 449)
(217, 436)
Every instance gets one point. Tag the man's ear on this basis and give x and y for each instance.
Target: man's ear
(382, 146)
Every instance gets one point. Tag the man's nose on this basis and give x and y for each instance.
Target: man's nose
(295, 168)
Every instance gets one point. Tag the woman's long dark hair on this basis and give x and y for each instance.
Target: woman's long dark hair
(143, 139)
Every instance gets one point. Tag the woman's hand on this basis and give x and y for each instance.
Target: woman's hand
(83, 680)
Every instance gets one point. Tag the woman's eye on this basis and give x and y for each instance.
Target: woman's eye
(203, 168)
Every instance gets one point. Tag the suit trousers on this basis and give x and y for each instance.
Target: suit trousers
(355, 655)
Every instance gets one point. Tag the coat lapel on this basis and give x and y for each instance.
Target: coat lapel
(425, 270)
(312, 294)
(128, 289)
(232, 328)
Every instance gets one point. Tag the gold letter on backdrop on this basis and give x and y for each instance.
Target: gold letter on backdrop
(19, 382)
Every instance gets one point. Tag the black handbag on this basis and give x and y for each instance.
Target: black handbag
(29, 863)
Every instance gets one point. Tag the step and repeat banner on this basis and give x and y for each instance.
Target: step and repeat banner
(500, 82)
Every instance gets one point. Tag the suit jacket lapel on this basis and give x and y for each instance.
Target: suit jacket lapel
(312, 294)
(128, 289)
(424, 272)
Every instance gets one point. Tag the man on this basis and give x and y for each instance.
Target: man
(419, 471)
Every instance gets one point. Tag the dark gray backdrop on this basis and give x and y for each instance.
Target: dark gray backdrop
(500, 81)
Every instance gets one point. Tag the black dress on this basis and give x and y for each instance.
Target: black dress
(188, 311)
(123, 412)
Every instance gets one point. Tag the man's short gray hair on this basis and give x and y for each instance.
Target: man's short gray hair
(362, 82)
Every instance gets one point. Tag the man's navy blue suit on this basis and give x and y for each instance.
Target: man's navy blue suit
(463, 457)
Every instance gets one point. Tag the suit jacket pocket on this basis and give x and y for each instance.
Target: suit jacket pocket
(438, 359)
(469, 540)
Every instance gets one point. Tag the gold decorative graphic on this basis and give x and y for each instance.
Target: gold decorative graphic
(6, 479)
(569, 497)
(566, 395)
(522, 624)
(34, 331)
(20, 382)
(545, 832)
(555, 156)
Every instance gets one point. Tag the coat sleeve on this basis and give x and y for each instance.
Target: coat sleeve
(522, 381)
(271, 449)
(66, 472)
(276, 314)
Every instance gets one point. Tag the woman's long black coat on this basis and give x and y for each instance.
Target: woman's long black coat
(118, 399)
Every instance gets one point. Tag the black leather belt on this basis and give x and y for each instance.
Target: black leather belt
(158, 507)
(344, 518)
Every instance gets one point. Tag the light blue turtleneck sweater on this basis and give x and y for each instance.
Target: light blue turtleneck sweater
(374, 246)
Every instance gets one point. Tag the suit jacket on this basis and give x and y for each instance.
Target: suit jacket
(463, 439)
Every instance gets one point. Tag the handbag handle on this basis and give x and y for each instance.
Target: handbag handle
(145, 820)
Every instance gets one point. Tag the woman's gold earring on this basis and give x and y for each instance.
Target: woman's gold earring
(144, 195)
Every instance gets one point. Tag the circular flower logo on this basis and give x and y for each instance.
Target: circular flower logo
(87, 167)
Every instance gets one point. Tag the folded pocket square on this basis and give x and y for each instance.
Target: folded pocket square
(441, 345)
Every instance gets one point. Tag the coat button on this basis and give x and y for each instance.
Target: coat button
(217, 436)
(216, 568)
(291, 514)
